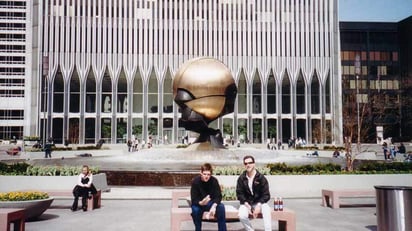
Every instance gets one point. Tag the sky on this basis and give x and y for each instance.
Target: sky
(374, 10)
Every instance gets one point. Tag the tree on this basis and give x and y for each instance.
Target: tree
(272, 131)
(137, 129)
(227, 128)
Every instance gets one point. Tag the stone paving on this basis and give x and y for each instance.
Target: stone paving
(127, 208)
(148, 208)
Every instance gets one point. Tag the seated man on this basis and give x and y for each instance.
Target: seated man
(206, 195)
(252, 191)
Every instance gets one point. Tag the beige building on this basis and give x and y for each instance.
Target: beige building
(103, 69)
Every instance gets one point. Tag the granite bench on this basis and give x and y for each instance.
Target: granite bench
(12, 215)
(286, 218)
(332, 197)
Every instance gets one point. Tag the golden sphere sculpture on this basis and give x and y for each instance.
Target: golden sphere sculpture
(204, 89)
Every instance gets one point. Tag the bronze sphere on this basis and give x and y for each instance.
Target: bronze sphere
(204, 87)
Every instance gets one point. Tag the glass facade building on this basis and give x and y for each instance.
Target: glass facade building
(104, 68)
(371, 61)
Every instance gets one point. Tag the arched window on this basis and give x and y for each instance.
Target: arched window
(285, 94)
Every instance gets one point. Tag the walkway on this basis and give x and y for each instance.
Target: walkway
(148, 209)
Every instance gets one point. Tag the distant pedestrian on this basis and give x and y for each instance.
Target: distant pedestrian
(336, 153)
(129, 145)
(47, 150)
(402, 149)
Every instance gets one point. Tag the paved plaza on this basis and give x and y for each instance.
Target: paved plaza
(148, 208)
(136, 208)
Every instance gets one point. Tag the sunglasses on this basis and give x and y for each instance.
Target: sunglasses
(246, 163)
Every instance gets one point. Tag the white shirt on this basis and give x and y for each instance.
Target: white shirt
(79, 181)
(250, 181)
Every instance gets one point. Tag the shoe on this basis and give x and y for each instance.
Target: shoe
(84, 208)
(73, 209)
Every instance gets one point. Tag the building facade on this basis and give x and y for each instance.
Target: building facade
(374, 84)
(405, 41)
(15, 68)
(104, 68)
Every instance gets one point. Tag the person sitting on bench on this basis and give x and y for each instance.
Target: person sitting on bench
(206, 195)
(83, 187)
(252, 191)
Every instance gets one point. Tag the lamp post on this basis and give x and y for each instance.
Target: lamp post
(357, 72)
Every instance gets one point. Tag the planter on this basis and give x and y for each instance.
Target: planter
(33, 208)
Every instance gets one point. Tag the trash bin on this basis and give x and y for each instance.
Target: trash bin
(394, 208)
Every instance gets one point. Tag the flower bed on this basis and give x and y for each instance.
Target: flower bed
(23, 196)
(34, 203)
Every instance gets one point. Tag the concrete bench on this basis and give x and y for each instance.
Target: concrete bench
(286, 218)
(8, 216)
(92, 203)
(332, 197)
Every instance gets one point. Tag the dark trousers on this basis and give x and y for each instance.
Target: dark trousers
(47, 153)
(82, 192)
(197, 213)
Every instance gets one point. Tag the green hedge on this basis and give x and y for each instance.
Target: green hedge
(13, 169)
(319, 169)
(31, 138)
(307, 148)
(333, 148)
(237, 170)
(308, 169)
(57, 170)
(24, 169)
(89, 147)
(228, 193)
(394, 167)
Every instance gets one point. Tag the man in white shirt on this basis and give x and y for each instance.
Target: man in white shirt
(253, 193)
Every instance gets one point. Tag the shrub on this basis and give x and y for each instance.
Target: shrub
(57, 171)
(333, 148)
(228, 193)
(237, 170)
(307, 148)
(182, 146)
(394, 167)
(89, 147)
(13, 169)
(62, 148)
(31, 138)
(282, 169)
(23, 196)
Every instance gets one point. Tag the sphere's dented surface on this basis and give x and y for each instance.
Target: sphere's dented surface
(206, 87)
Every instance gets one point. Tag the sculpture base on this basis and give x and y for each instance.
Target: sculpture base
(211, 136)
(202, 146)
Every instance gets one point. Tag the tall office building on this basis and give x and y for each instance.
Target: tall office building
(376, 79)
(15, 68)
(405, 45)
(105, 67)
